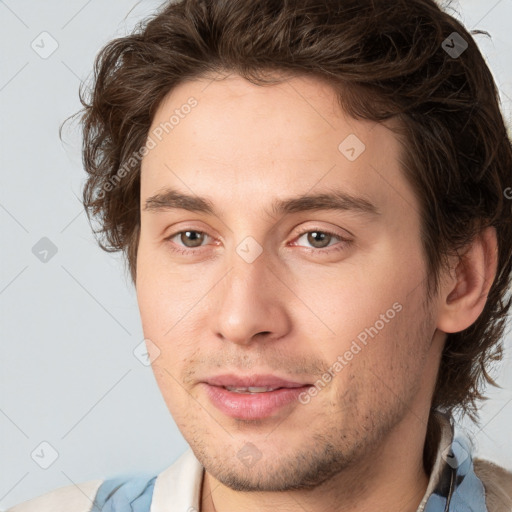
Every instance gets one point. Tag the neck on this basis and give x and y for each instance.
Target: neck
(393, 477)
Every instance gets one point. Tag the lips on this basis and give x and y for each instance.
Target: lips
(253, 381)
(253, 397)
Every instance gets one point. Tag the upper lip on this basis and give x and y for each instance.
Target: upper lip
(270, 381)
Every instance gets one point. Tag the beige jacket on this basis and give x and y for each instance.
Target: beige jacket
(498, 485)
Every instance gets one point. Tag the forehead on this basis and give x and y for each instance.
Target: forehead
(242, 140)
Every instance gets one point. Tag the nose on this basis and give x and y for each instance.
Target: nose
(251, 302)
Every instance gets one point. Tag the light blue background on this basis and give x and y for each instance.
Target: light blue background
(68, 375)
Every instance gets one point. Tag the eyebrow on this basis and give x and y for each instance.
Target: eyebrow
(338, 200)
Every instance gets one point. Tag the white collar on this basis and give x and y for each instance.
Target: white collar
(178, 488)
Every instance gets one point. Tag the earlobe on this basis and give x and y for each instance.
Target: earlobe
(464, 294)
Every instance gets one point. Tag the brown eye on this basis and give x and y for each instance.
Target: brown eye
(319, 239)
(322, 241)
(188, 241)
(191, 238)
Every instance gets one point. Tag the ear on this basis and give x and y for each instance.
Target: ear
(464, 293)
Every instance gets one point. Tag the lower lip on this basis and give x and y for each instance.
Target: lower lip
(253, 406)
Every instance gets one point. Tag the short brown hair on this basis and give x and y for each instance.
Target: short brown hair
(386, 59)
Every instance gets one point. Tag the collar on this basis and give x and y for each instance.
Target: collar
(178, 488)
(453, 484)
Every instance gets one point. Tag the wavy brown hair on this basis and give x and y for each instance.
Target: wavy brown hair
(386, 60)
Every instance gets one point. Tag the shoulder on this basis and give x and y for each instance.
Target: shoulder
(497, 482)
(78, 498)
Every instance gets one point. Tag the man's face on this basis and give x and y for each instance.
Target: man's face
(330, 298)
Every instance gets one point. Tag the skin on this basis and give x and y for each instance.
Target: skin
(358, 444)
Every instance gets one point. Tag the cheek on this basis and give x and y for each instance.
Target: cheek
(175, 398)
(382, 334)
(160, 294)
(170, 372)
(352, 305)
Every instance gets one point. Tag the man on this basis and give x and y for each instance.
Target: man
(311, 198)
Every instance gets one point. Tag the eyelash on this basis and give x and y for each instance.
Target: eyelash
(344, 243)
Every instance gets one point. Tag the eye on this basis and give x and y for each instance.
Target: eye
(190, 238)
(321, 239)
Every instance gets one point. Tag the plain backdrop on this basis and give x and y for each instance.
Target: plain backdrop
(74, 397)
